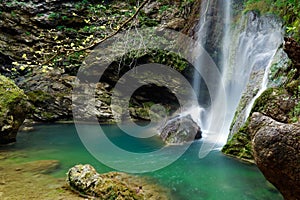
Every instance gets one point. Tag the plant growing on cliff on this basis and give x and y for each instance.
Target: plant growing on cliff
(288, 10)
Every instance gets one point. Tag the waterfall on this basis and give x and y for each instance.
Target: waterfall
(257, 40)
(201, 36)
(243, 59)
(263, 87)
(215, 16)
(243, 55)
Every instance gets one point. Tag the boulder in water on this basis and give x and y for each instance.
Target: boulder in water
(113, 185)
(180, 129)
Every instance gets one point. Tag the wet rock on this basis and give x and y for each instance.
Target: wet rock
(99, 108)
(114, 185)
(180, 129)
(13, 110)
(276, 148)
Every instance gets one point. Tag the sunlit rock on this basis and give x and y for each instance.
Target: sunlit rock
(277, 152)
(180, 129)
(113, 185)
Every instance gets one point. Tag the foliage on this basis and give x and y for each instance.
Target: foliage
(295, 113)
(289, 10)
(73, 34)
(53, 15)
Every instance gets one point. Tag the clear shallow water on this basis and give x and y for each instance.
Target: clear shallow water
(189, 178)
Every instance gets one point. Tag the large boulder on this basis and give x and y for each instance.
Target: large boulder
(113, 185)
(276, 148)
(13, 110)
(180, 129)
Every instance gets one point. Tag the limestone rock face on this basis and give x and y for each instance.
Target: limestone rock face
(276, 148)
(112, 185)
(13, 110)
(180, 129)
(34, 38)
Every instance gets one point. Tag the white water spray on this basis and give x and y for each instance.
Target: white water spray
(246, 56)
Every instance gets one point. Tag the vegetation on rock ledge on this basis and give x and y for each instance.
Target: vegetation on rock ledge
(288, 10)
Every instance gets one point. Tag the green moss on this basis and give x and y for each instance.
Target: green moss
(240, 144)
(167, 58)
(259, 6)
(261, 102)
(10, 94)
(292, 87)
(39, 96)
(295, 113)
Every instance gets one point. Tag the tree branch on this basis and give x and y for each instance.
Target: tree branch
(102, 40)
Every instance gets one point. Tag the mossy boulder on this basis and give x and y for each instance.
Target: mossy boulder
(276, 103)
(13, 110)
(113, 185)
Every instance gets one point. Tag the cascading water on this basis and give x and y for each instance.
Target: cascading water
(243, 59)
(201, 36)
(215, 17)
(259, 37)
(243, 56)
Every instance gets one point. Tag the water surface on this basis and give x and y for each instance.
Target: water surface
(189, 178)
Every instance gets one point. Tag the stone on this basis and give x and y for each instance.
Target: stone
(276, 148)
(180, 129)
(13, 110)
(113, 185)
(293, 50)
(176, 24)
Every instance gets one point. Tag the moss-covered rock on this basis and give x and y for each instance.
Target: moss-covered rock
(113, 185)
(13, 110)
(279, 102)
(240, 145)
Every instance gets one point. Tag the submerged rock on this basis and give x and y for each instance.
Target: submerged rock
(13, 110)
(113, 185)
(276, 148)
(180, 129)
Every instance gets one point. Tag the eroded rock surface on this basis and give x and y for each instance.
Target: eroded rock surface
(276, 148)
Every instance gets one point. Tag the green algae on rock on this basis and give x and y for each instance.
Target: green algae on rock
(13, 110)
(113, 185)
